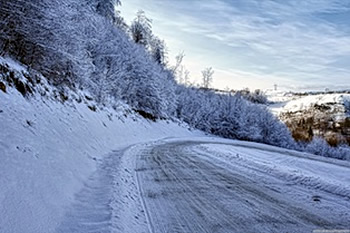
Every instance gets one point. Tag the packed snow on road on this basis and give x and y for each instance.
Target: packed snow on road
(212, 185)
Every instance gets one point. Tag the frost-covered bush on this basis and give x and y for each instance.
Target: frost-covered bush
(319, 146)
(257, 96)
(231, 117)
(342, 152)
(18, 22)
(347, 105)
(76, 43)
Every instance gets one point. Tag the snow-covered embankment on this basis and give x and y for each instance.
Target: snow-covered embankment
(48, 150)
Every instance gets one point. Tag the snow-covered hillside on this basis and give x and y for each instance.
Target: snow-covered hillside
(324, 115)
(49, 149)
(338, 103)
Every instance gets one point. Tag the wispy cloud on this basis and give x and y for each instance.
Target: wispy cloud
(291, 39)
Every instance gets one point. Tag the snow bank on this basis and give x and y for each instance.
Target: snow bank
(293, 167)
(49, 149)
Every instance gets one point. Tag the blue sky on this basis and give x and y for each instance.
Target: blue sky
(296, 44)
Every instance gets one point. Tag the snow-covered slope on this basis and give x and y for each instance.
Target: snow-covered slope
(48, 150)
(323, 115)
(335, 102)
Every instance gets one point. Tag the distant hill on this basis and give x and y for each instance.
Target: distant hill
(308, 115)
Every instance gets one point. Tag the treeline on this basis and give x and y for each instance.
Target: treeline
(326, 92)
(231, 116)
(86, 44)
(257, 96)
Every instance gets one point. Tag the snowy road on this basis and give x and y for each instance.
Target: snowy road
(189, 186)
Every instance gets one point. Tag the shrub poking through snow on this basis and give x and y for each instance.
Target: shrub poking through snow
(146, 115)
(22, 87)
(2, 87)
(92, 108)
(319, 146)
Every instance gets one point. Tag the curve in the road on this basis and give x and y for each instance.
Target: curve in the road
(183, 192)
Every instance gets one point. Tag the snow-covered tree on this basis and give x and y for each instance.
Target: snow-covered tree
(257, 96)
(21, 29)
(141, 29)
(207, 78)
(158, 50)
(319, 146)
(179, 70)
(178, 62)
(347, 105)
(106, 8)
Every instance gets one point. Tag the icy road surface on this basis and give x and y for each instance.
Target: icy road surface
(213, 186)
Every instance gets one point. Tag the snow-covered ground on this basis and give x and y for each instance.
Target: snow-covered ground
(49, 150)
